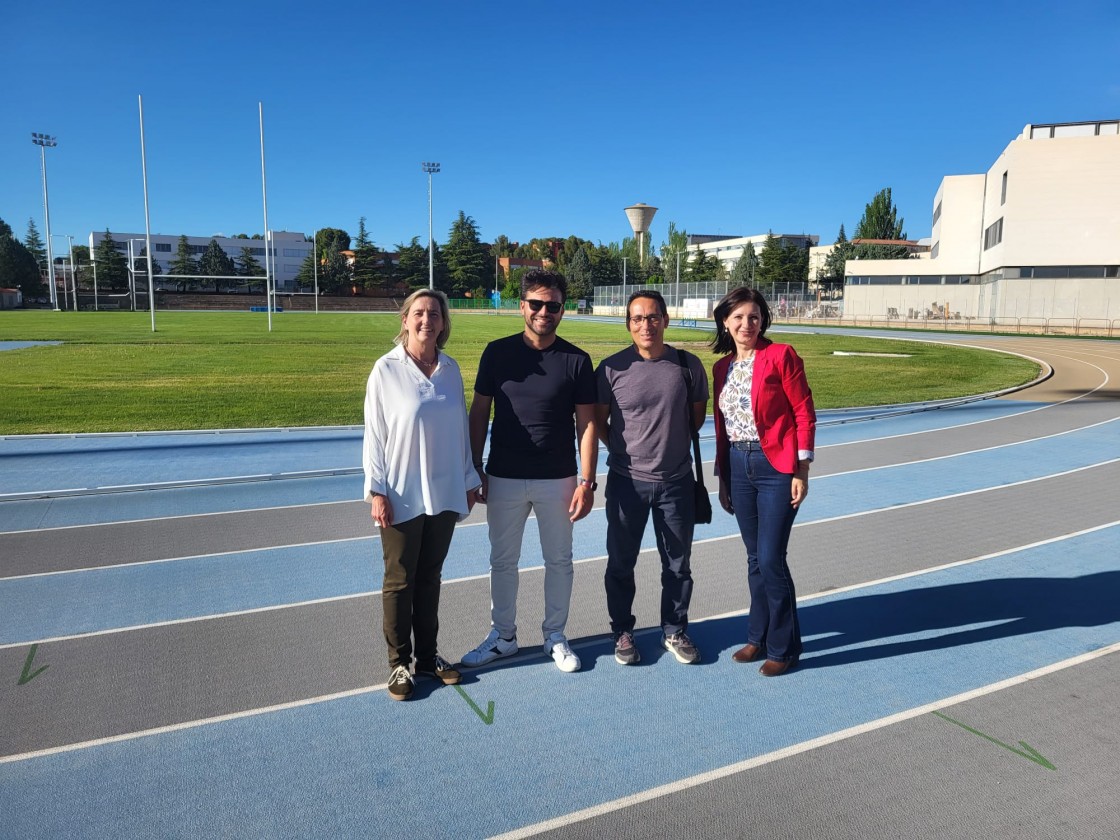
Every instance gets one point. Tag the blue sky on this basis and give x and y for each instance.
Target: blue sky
(548, 119)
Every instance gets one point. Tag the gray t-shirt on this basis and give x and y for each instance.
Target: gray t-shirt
(649, 403)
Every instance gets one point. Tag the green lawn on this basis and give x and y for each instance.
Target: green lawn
(225, 370)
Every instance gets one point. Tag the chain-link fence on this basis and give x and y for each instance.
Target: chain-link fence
(696, 300)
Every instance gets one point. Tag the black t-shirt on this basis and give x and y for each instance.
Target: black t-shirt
(535, 393)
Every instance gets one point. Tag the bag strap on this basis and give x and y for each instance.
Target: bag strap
(687, 374)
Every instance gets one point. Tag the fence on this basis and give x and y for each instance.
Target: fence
(786, 299)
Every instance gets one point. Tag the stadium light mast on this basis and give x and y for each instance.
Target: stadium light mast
(45, 141)
(430, 168)
(269, 278)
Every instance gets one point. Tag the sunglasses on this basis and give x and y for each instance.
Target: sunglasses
(553, 306)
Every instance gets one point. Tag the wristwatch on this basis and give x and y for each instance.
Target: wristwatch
(589, 483)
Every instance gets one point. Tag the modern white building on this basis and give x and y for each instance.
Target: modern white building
(729, 249)
(1035, 237)
(289, 250)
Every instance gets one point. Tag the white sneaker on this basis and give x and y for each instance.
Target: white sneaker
(561, 652)
(492, 647)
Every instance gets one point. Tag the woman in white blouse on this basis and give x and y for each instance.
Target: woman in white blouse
(420, 480)
(765, 428)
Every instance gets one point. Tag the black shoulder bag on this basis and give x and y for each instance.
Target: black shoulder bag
(703, 501)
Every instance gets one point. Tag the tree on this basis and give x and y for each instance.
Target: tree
(215, 263)
(880, 221)
(795, 264)
(247, 265)
(183, 265)
(606, 266)
(745, 267)
(832, 277)
(18, 269)
(367, 260)
(703, 268)
(581, 281)
(34, 243)
(325, 237)
(112, 266)
(676, 247)
(466, 258)
(412, 265)
(771, 266)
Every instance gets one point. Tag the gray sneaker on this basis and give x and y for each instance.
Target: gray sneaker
(681, 647)
(625, 651)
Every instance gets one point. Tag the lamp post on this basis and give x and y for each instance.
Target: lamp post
(315, 265)
(430, 168)
(45, 141)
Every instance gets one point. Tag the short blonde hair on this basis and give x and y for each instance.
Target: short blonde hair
(444, 311)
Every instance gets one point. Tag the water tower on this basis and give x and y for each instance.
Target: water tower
(640, 216)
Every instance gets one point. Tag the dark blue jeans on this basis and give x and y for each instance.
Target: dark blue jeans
(761, 498)
(628, 504)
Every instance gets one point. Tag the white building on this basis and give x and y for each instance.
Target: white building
(1035, 237)
(289, 250)
(728, 250)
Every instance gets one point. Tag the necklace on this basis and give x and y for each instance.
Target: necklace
(427, 367)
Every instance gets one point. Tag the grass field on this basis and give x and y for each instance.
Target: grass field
(224, 370)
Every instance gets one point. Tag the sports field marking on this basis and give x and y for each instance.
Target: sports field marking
(797, 749)
(485, 576)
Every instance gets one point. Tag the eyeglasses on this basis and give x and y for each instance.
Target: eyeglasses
(553, 306)
(652, 320)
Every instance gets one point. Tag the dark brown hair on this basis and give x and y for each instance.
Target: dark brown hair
(724, 342)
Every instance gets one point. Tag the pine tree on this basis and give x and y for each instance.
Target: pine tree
(18, 269)
(367, 260)
(215, 263)
(771, 268)
(880, 221)
(247, 264)
(112, 266)
(412, 264)
(835, 264)
(581, 283)
(466, 258)
(34, 243)
(745, 267)
(183, 265)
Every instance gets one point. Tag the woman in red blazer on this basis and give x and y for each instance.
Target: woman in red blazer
(765, 427)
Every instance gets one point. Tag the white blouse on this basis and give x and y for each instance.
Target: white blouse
(416, 449)
(735, 402)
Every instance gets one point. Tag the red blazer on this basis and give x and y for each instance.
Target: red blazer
(782, 404)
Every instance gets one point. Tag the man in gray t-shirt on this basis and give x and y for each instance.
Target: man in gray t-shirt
(642, 415)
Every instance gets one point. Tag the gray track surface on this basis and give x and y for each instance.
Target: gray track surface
(919, 778)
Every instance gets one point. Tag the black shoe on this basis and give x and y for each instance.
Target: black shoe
(440, 669)
(400, 683)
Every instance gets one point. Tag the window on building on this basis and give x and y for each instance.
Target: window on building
(163, 246)
(994, 234)
(937, 212)
(1003, 190)
(936, 247)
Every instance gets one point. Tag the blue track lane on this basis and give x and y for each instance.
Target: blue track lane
(35, 608)
(364, 765)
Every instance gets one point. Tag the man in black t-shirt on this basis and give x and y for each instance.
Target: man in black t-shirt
(542, 391)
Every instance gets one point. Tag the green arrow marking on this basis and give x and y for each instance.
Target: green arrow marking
(28, 675)
(487, 718)
(1031, 753)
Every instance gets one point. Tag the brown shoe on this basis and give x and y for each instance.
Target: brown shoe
(770, 668)
(747, 653)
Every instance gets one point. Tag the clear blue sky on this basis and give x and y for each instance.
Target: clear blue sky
(548, 118)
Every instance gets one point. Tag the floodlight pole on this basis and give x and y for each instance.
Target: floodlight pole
(315, 265)
(43, 141)
(430, 168)
(73, 276)
(147, 223)
(268, 279)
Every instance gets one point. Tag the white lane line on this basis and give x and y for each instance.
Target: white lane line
(838, 518)
(798, 749)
